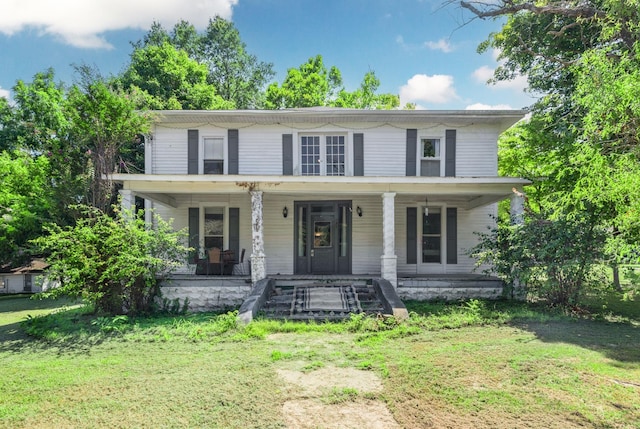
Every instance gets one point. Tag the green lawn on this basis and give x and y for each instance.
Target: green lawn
(475, 365)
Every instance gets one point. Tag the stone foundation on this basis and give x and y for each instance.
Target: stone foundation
(207, 293)
(450, 289)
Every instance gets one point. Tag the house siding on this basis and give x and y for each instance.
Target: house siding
(477, 152)
(384, 147)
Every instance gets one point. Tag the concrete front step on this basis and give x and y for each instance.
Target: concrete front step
(281, 299)
(273, 298)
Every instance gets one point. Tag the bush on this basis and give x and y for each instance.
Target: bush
(115, 263)
(553, 260)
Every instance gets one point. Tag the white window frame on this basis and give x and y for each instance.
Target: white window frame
(440, 157)
(323, 151)
(202, 159)
(225, 220)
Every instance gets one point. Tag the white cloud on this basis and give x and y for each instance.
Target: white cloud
(4, 93)
(431, 89)
(82, 23)
(484, 73)
(440, 45)
(480, 106)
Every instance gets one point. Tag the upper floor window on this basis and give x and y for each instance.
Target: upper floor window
(213, 155)
(322, 155)
(430, 156)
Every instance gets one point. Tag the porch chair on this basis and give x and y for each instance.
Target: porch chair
(214, 261)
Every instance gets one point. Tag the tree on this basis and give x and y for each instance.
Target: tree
(38, 124)
(365, 97)
(581, 144)
(25, 203)
(310, 85)
(169, 79)
(235, 75)
(114, 263)
(107, 124)
(238, 76)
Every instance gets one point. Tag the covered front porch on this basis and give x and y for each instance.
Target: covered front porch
(375, 213)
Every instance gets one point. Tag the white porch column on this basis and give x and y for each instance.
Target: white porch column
(258, 265)
(517, 218)
(127, 201)
(389, 260)
(517, 207)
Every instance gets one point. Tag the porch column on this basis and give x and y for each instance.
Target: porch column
(517, 207)
(389, 260)
(127, 201)
(517, 218)
(258, 266)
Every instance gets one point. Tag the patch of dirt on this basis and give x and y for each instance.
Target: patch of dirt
(311, 412)
(323, 380)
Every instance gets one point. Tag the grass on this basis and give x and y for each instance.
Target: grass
(475, 364)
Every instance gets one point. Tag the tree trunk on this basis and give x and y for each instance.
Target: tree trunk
(616, 278)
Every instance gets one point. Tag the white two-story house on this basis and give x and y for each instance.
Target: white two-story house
(320, 191)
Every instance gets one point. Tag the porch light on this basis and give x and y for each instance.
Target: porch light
(426, 209)
(359, 211)
(285, 212)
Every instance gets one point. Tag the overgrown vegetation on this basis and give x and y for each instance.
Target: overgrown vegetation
(476, 364)
(553, 260)
(113, 262)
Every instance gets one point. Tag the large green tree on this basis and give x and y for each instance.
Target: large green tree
(309, 85)
(25, 203)
(106, 123)
(169, 79)
(59, 148)
(313, 85)
(580, 147)
(231, 72)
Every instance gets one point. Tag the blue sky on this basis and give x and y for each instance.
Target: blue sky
(417, 48)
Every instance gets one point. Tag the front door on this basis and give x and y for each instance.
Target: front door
(323, 237)
(323, 242)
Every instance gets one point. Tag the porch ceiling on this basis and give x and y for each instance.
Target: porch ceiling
(470, 191)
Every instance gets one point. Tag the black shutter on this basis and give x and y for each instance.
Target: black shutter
(452, 236)
(358, 154)
(412, 142)
(412, 235)
(232, 151)
(194, 233)
(287, 154)
(450, 153)
(234, 231)
(192, 151)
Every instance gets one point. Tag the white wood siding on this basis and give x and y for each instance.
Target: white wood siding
(477, 151)
(468, 221)
(260, 147)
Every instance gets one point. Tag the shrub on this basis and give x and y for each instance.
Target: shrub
(115, 263)
(553, 259)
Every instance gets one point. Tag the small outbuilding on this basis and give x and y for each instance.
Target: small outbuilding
(28, 278)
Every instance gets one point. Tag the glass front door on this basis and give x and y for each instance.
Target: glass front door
(323, 237)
